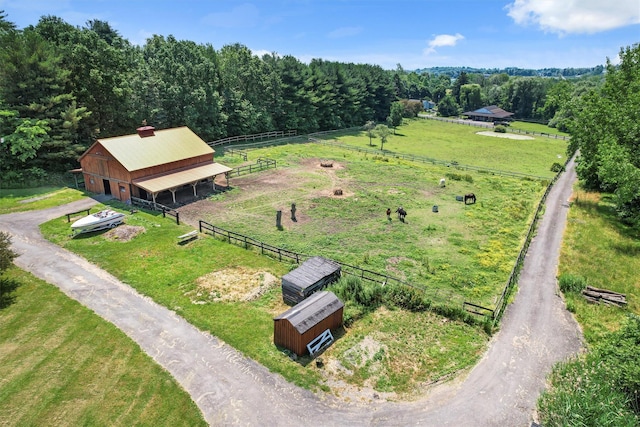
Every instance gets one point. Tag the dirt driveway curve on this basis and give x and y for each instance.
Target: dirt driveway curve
(230, 389)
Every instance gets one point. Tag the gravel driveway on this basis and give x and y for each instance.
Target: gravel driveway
(501, 390)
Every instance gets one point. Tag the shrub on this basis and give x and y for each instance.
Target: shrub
(411, 299)
(557, 167)
(571, 283)
(500, 129)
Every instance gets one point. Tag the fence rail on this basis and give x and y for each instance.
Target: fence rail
(253, 137)
(260, 164)
(515, 271)
(446, 297)
(153, 206)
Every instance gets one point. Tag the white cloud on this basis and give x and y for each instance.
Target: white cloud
(575, 16)
(344, 32)
(442, 40)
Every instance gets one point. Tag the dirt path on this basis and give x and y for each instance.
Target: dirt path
(230, 389)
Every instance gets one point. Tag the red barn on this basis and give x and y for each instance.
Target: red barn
(148, 162)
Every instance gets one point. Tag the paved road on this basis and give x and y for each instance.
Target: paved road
(232, 390)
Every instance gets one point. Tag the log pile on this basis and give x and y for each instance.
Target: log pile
(597, 296)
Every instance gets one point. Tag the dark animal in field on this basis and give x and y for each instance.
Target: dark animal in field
(469, 198)
(401, 213)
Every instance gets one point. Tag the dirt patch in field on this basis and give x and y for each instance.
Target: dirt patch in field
(366, 352)
(504, 135)
(277, 187)
(124, 232)
(232, 284)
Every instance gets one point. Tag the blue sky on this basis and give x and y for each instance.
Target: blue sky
(412, 33)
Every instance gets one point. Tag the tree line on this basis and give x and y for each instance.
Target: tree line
(64, 86)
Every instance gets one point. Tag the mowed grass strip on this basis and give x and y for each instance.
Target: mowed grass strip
(19, 200)
(605, 254)
(459, 143)
(62, 365)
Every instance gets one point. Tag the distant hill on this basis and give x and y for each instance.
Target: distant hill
(514, 71)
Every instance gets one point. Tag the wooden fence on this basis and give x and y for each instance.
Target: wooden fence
(152, 206)
(515, 271)
(254, 137)
(260, 164)
(445, 297)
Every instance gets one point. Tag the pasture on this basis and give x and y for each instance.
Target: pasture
(462, 144)
(462, 251)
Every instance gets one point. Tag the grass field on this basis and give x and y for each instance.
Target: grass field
(462, 144)
(462, 250)
(62, 365)
(604, 253)
(18, 200)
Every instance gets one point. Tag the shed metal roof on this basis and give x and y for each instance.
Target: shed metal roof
(164, 146)
(489, 111)
(310, 271)
(311, 311)
(181, 177)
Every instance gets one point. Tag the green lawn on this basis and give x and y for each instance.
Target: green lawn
(62, 365)
(462, 144)
(18, 200)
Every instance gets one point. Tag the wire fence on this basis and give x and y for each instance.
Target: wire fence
(424, 159)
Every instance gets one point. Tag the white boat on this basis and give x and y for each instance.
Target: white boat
(97, 221)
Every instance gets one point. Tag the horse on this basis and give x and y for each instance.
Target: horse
(469, 197)
(401, 213)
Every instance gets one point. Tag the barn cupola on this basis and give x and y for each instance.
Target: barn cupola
(145, 131)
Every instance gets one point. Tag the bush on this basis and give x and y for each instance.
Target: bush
(571, 283)
(500, 129)
(557, 167)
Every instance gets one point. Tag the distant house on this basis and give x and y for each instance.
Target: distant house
(428, 105)
(491, 113)
(311, 276)
(149, 162)
(304, 322)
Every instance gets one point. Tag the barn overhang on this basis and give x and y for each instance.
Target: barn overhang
(176, 179)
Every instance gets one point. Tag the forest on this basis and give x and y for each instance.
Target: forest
(63, 86)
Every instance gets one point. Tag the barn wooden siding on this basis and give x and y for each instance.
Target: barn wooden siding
(98, 165)
(312, 275)
(298, 326)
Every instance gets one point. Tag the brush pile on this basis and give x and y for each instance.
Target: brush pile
(597, 296)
